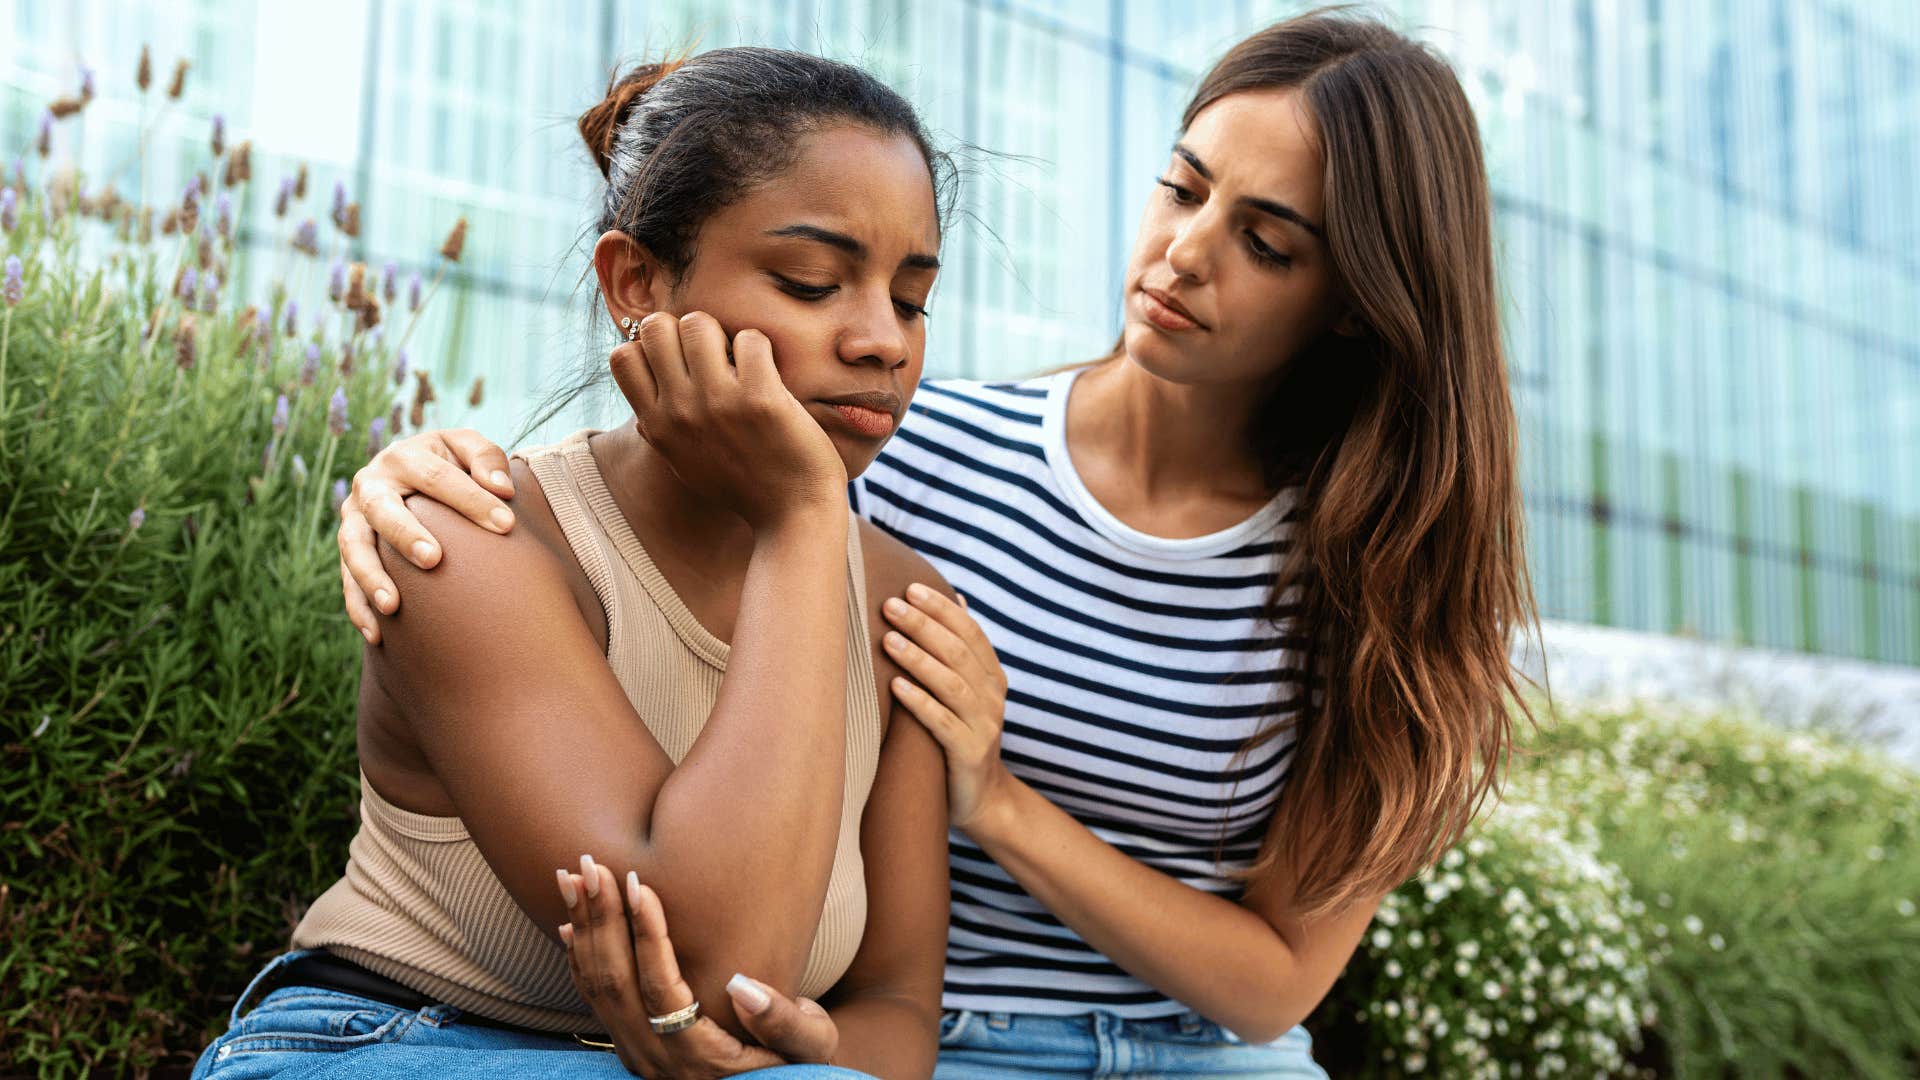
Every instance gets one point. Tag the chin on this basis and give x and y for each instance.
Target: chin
(1152, 351)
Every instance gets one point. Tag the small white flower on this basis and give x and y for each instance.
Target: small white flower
(1905, 908)
(1693, 924)
(1492, 990)
(1392, 969)
(1716, 942)
(1382, 939)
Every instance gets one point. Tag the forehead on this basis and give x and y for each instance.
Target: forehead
(852, 179)
(1262, 143)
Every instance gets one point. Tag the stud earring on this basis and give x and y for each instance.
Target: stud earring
(631, 326)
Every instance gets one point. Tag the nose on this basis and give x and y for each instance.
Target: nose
(875, 334)
(1187, 252)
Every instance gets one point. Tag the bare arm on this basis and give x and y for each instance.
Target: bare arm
(1254, 967)
(742, 832)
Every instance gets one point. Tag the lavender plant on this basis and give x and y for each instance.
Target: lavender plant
(176, 679)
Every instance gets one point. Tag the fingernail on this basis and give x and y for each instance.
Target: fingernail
(381, 598)
(590, 875)
(750, 995)
(500, 479)
(567, 891)
(895, 641)
(918, 591)
(895, 606)
(501, 518)
(963, 598)
(566, 934)
(368, 634)
(633, 889)
(422, 551)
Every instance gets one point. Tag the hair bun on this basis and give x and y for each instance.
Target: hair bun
(600, 125)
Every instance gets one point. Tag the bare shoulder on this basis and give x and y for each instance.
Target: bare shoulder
(892, 565)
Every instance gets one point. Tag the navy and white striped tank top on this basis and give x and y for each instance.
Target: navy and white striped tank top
(1137, 669)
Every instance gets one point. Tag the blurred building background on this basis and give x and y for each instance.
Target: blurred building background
(1706, 219)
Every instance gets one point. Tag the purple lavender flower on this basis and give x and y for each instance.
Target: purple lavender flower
(400, 367)
(209, 292)
(337, 281)
(337, 411)
(14, 286)
(285, 196)
(339, 202)
(339, 494)
(280, 414)
(189, 283)
(307, 238)
(293, 315)
(376, 434)
(219, 134)
(9, 209)
(312, 366)
(390, 283)
(43, 142)
(137, 518)
(86, 81)
(393, 421)
(299, 469)
(413, 292)
(193, 187)
(223, 214)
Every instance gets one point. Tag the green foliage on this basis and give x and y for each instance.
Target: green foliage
(1781, 874)
(1521, 947)
(177, 681)
(1748, 894)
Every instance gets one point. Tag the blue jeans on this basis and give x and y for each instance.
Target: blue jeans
(302, 1032)
(1006, 1046)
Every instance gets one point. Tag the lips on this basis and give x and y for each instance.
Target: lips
(872, 413)
(1165, 300)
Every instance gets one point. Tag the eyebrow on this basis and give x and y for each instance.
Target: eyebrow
(914, 261)
(1268, 206)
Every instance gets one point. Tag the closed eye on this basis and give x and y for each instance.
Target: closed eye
(1263, 254)
(802, 290)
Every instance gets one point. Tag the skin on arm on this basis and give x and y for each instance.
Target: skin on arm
(1254, 967)
(534, 741)
(887, 1004)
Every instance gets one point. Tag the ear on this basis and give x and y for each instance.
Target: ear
(633, 283)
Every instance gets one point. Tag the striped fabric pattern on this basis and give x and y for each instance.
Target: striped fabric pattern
(1137, 667)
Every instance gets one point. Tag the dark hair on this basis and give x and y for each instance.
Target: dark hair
(1406, 574)
(681, 139)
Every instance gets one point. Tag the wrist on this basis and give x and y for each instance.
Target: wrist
(998, 810)
(811, 523)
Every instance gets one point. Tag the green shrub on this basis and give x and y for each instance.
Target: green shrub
(1519, 954)
(177, 681)
(1780, 872)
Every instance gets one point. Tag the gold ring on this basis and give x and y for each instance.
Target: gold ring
(677, 1020)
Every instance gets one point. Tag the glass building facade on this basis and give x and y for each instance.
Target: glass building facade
(1705, 210)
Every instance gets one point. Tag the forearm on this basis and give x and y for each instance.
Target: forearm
(886, 1035)
(1220, 959)
(742, 833)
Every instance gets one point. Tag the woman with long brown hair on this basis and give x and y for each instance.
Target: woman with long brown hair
(1233, 660)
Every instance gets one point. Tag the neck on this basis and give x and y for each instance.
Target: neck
(663, 510)
(1167, 438)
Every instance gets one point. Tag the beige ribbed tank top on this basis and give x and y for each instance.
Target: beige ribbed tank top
(419, 904)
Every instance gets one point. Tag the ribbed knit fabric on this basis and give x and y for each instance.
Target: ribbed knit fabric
(419, 904)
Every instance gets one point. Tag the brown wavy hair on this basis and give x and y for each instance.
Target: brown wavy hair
(1406, 578)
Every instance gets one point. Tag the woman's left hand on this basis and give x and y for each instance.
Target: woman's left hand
(958, 693)
(625, 969)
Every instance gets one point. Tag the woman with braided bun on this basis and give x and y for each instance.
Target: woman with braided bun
(1233, 660)
(669, 705)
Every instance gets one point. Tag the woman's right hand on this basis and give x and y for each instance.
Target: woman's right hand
(728, 427)
(458, 468)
